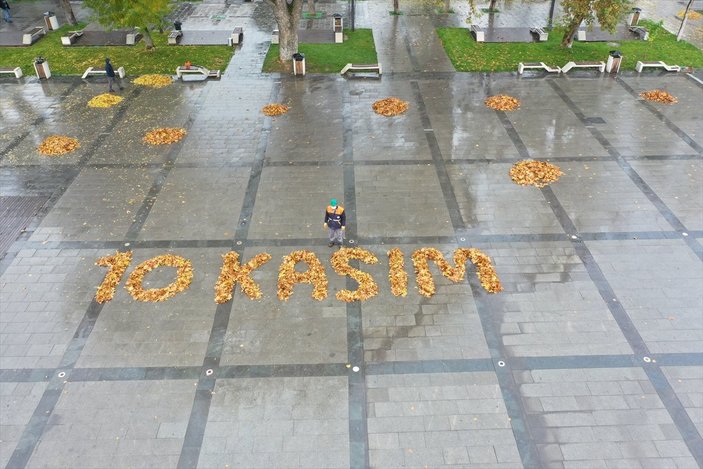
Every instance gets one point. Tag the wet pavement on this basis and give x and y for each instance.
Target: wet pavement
(592, 356)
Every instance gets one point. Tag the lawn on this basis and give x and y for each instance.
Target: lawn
(469, 56)
(136, 60)
(358, 47)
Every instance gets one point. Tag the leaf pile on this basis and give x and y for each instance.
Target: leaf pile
(659, 96)
(340, 263)
(288, 276)
(118, 265)
(184, 277)
(390, 107)
(105, 100)
(534, 173)
(56, 145)
(164, 136)
(153, 80)
(274, 109)
(396, 272)
(502, 102)
(693, 15)
(484, 269)
(233, 273)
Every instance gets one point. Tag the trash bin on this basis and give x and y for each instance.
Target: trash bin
(41, 66)
(298, 64)
(614, 60)
(51, 21)
(634, 16)
(338, 28)
(177, 25)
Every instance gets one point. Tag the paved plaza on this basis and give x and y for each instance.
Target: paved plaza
(591, 357)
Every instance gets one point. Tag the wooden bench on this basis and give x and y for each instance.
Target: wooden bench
(477, 32)
(522, 66)
(174, 37)
(72, 37)
(237, 36)
(17, 72)
(599, 65)
(540, 33)
(669, 68)
(96, 71)
(361, 67)
(640, 32)
(133, 38)
(275, 37)
(196, 73)
(31, 35)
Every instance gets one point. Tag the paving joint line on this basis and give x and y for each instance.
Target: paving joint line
(439, 164)
(360, 241)
(502, 367)
(156, 186)
(630, 172)
(70, 177)
(463, 365)
(197, 421)
(395, 162)
(20, 138)
(663, 388)
(659, 115)
(356, 380)
(40, 417)
(524, 440)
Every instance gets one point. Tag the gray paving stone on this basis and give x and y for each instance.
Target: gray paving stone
(588, 201)
(173, 333)
(100, 205)
(605, 430)
(472, 435)
(660, 290)
(114, 408)
(184, 210)
(291, 202)
(258, 443)
(393, 209)
(330, 144)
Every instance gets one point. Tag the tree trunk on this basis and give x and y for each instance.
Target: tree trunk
(148, 41)
(288, 19)
(492, 6)
(572, 28)
(68, 11)
(396, 7)
(679, 34)
(447, 6)
(311, 8)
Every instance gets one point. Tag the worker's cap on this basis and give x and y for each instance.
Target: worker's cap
(333, 202)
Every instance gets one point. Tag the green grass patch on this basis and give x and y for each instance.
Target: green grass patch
(467, 55)
(136, 60)
(358, 47)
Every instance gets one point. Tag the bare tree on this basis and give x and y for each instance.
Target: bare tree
(311, 8)
(68, 11)
(607, 12)
(679, 35)
(287, 14)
